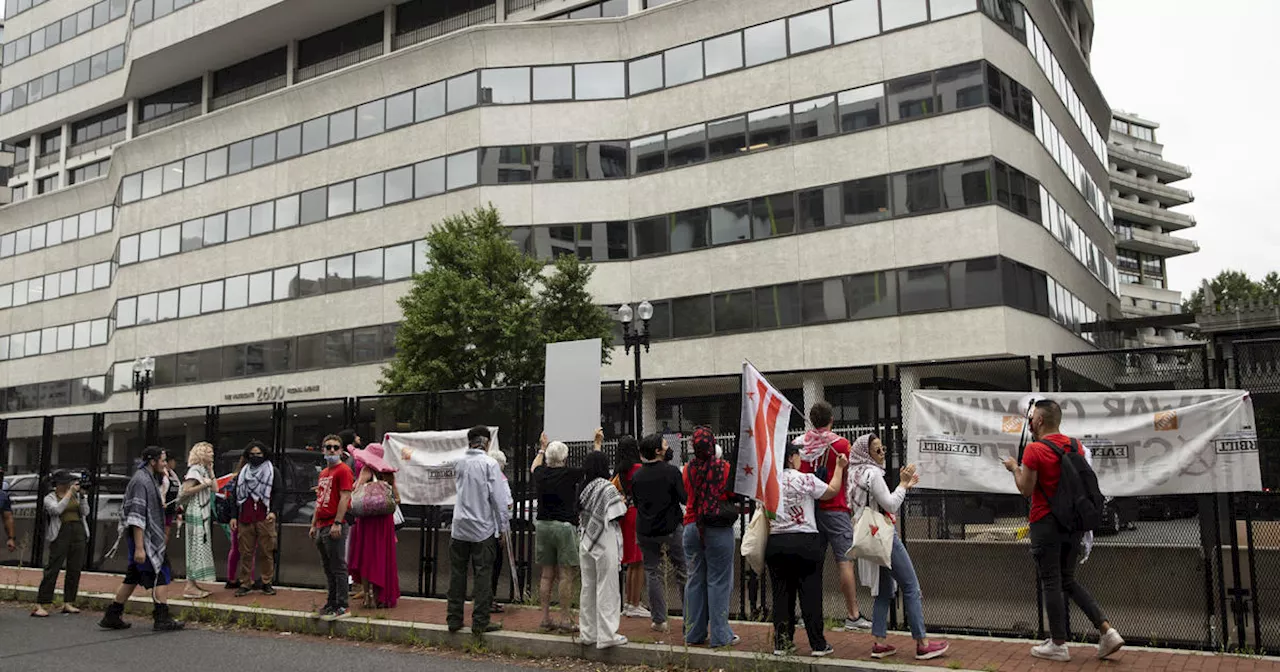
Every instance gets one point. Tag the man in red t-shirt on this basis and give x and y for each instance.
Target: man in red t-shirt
(333, 496)
(1056, 550)
(821, 448)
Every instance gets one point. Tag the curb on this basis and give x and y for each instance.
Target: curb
(529, 645)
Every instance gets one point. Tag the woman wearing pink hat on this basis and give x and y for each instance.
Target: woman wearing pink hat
(372, 552)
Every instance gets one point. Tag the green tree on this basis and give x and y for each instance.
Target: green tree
(1234, 287)
(481, 314)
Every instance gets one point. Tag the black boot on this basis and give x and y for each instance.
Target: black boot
(164, 622)
(113, 619)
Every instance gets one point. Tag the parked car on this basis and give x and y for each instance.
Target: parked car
(25, 488)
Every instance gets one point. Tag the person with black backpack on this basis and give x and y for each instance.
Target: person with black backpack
(1065, 504)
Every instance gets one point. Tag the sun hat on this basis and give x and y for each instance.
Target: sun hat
(372, 457)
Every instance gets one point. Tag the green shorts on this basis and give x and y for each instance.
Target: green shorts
(555, 543)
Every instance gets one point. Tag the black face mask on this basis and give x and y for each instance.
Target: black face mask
(257, 460)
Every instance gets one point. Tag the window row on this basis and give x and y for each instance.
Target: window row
(56, 232)
(312, 278)
(56, 285)
(1066, 90)
(838, 24)
(1072, 236)
(89, 171)
(334, 349)
(146, 11)
(1069, 311)
(95, 16)
(871, 199)
(421, 180)
(87, 334)
(99, 125)
(1049, 136)
(80, 72)
(600, 10)
(56, 394)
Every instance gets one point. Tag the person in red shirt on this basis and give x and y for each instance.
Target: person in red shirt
(820, 449)
(333, 497)
(1056, 550)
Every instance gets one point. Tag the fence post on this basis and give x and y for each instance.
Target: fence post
(42, 478)
(96, 446)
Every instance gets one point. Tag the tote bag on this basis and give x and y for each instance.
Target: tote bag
(872, 533)
(374, 498)
(755, 540)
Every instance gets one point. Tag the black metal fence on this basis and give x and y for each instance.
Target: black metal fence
(1187, 571)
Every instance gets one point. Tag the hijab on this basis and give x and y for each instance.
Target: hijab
(860, 461)
(707, 475)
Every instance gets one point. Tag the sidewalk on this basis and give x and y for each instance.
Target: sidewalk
(418, 619)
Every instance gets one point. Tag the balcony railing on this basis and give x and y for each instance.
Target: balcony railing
(21, 168)
(164, 120)
(475, 17)
(95, 144)
(249, 92)
(517, 5)
(46, 160)
(339, 62)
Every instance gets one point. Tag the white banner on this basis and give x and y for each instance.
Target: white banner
(1143, 443)
(425, 461)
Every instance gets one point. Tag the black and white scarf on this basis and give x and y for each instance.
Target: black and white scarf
(255, 482)
(144, 508)
(599, 505)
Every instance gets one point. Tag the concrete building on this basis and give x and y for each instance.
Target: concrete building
(239, 188)
(1142, 197)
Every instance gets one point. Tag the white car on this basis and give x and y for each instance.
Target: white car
(23, 489)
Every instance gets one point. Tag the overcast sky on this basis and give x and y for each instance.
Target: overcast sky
(1188, 65)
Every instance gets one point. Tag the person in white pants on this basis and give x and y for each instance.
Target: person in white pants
(601, 509)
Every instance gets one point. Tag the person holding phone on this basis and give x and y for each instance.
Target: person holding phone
(68, 532)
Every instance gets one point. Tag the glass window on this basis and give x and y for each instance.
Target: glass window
(399, 262)
(240, 157)
(683, 64)
(338, 275)
(193, 170)
(810, 31)
(960, 87)
(215, 163)
(128, 250)
(101, 276)
(505, 165)
(723, 53)
(648, 154)
(765, 43)
(428, 178)
(733, 311)
(285, 284)
(215, 229)
(598, 81)
(399, 185)
(819, 208)
(815, 118)
(689, 230)
(149, 245)
(315, 135)
(911, 97)
(341, 199)
(167, 306)
(289, 142)
(264, 149)
(260, 288)
(691, 316)
(645, 74)
(315, 205)
(916, 192)
(770, 128)
(70, 228)
(400, 110)
(461, 170)
(311, 278)
(823, 301)
(730, 223)
(866, 200)
(369, 192)
(428, 102)
(126, 312)
(238, 222)
(727, 137)
(966, 183)
(67, 285)
(777, 306)
(462, 92)
(151, 182)
(650, 236)
(686, 145)
(189, 301)
(900, 13)
(371, 118)
(504, 86)
(173, 177)
(368, 268)
(773, 215)
(922, 289)
(553, 83)
(286, 214)
(975, 283)
(52, 284)
(556, 162)
(855, 20)
(211, 297)
(66, 337)
(871, 295)
(342, 127)
(366, 346)
(131, 188)
(262, 218)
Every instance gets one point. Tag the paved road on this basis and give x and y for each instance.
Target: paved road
(63, 643)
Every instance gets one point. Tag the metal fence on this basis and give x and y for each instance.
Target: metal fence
(1193, 571)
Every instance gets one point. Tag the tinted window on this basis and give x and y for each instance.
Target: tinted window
(647, 154)
(368, 268)
(192, 235)
(723, 53)
(823, 301)
(691, 316)
(960, 87)
(819, 208)
(765, 43)
(866, 200)
(733, 311)
(815, 118)
(862, 108)
(645, 74)
(911, 97)
(727, 137)
(241, 157)
(371, 118)
(553, 83)
(683, 64)
(342, 126)
(975, 283)
(215, 163)
(462, 92)
(916, 192)
(773, 215)
(810, 31)
(770, 128)
(556, 162)
(730, 223)
(503, 165)
(400, 110)
(315, 205)
(967, 183)
(921, 289)
(399, 185)
(777, 306)
(461, 170)
(429, 101)
(264, 149)
(339, 274)
(595, 81)
(505, 85)
(689, 230)
(871, 295)
(311, 277)
(428, 178)
(602, 160)
(650, 236)
(686, 145)
(341, 199)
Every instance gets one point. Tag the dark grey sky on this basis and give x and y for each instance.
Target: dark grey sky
(1207, 72)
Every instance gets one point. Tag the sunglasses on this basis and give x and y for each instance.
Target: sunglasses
(331, 446)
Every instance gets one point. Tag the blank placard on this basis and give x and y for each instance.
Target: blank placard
(572, 411)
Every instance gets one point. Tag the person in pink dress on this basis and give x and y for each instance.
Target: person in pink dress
(371, 557)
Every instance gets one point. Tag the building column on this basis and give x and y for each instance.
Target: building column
(130, 118)
(634, 6)
(291, 63)
(206, 91)
(64, 175)
(649, 410)
(33, 149)
(388, 28)
(500, 11)
(814, 391)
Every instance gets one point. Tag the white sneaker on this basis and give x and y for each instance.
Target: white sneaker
(1110, 643)
(663, 627)
(636, 611)
(1050, 651)
(619, 641)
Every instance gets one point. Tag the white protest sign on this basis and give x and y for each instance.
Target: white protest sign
(572, 411)
(1143, 443)
(425, 462)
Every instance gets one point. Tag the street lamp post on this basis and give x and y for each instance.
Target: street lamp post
(143, 368)
(635, 336)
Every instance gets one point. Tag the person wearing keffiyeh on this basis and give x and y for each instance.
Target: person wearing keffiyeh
(708, 548)
(601, 508)
(259, 492)
(142, 526)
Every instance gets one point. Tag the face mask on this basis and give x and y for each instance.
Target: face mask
(332, 459)
(257, 460)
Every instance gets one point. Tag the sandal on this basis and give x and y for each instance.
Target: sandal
(39, 612)
(69, 609)
(197, 596)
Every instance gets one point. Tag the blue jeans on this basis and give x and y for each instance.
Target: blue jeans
(905, 574)
(706, 596)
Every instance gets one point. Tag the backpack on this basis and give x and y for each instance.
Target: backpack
(1077, 504)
